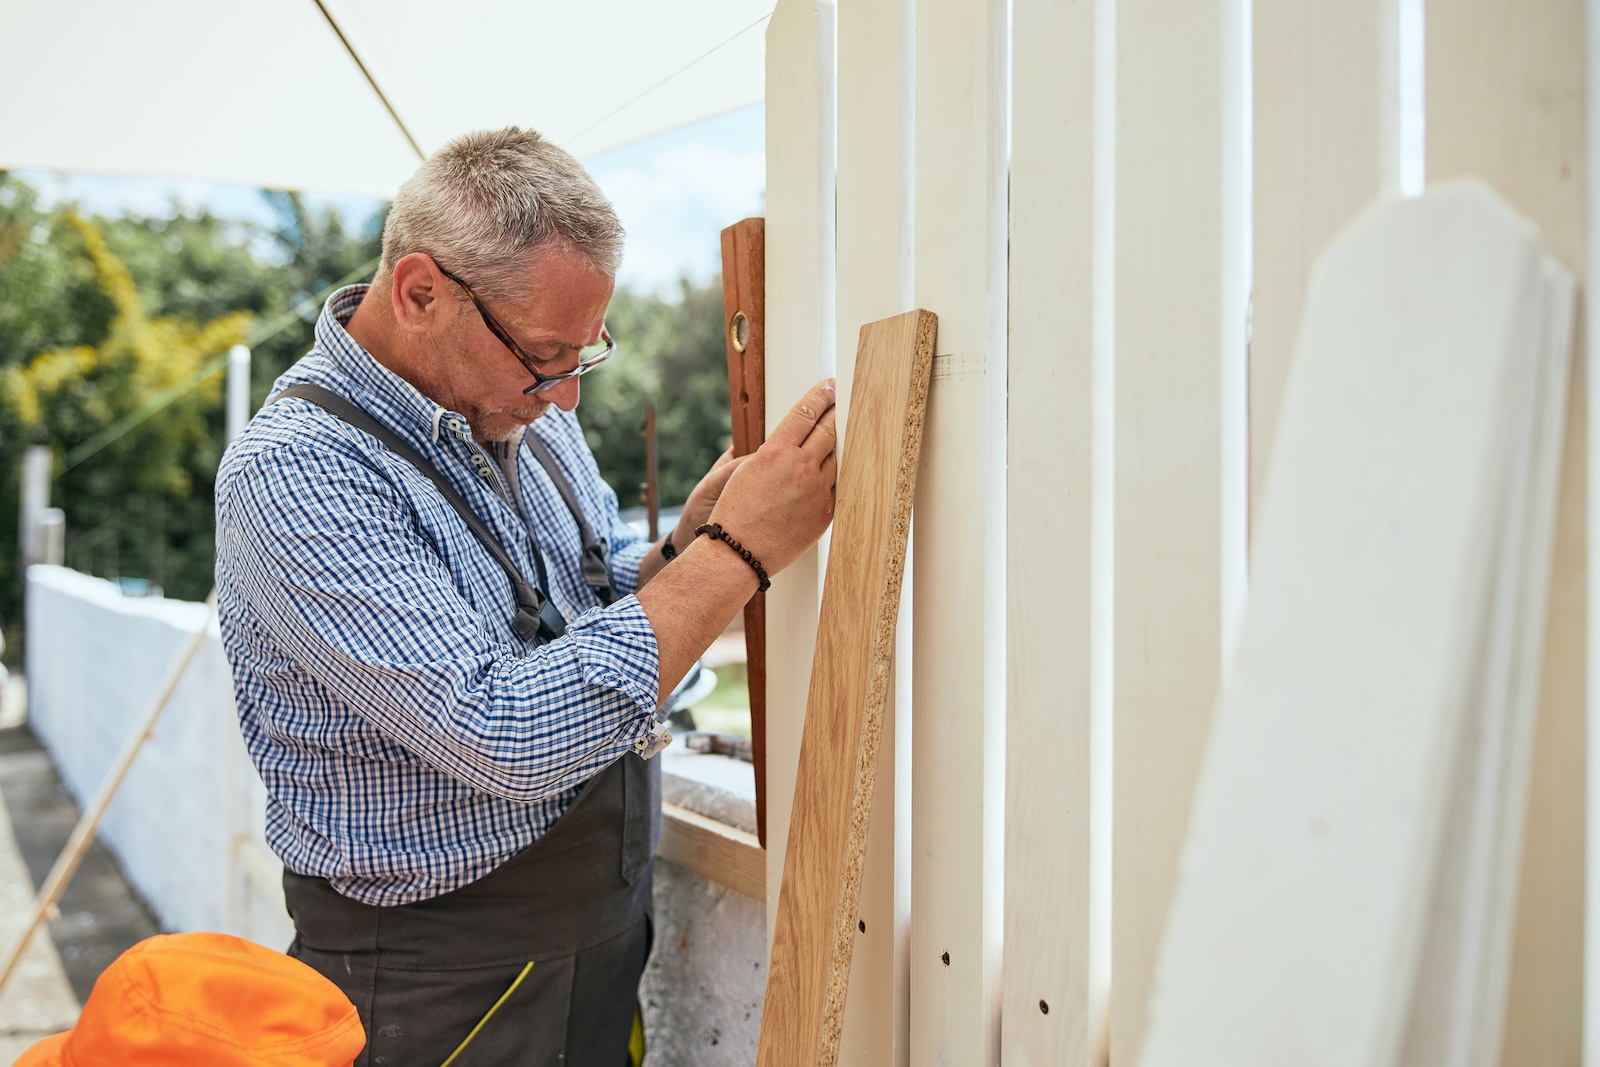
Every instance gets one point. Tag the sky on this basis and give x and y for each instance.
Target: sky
(674, 193)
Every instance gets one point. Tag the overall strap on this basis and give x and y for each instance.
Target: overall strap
(537, 620)
(596, 575)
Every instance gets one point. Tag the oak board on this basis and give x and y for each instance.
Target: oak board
(816, 922)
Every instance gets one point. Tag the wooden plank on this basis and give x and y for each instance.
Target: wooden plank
(1049, 1013)
(800, 337)
(1505, 87)
(1325, 145)
(817, 923)
(958, 784)
(874, 203)
(716, 851)
(1177, 140)
(1376, 618)
(744, 306)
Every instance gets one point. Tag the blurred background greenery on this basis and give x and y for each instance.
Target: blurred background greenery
(102, 319)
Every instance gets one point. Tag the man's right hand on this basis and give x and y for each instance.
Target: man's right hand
(777, 503)
(781, 498)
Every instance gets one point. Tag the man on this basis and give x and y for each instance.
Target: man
(452, 721)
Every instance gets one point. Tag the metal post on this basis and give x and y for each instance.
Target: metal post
(238, 389)
(52, 534)
(35, 498)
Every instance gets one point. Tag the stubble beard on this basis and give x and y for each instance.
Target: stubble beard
(508, 424)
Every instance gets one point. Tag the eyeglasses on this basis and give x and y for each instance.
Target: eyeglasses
(589, 356)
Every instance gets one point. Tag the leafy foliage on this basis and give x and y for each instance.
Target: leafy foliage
(98, 317)
(65, 394)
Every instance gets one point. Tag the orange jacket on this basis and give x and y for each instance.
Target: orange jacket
(187, 1000)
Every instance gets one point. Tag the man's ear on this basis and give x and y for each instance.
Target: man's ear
(415, 293)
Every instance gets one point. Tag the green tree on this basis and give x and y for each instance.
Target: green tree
(669, 351)
(141, 485)
(142, 505)
(313, 251)
(49, 298)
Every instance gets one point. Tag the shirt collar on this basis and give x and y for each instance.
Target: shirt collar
(377, 384)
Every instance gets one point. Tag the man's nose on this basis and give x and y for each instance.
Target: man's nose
(563, 396)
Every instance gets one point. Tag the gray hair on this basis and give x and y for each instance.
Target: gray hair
(486, 203)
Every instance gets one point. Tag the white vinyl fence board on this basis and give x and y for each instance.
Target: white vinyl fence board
(1458, 1011)
(1506, 83)
(800, 276)
(1175, 333)
(1302, 919)
(959, 547)
(1322, 153)
(874, 206)
(1049, 1013)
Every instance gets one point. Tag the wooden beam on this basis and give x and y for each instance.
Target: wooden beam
(1506, 83)
(800, 334)
(1326, 135)
(874, 203)
(716, 851)
(744, 306)
(1050, 1012)
(958, 784)
(1179, 338)
(817, 922)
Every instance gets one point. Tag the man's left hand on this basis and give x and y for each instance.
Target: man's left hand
(697, 509)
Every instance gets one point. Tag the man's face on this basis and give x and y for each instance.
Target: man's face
(562, 309)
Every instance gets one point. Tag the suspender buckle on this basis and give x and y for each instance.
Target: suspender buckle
(659, 737)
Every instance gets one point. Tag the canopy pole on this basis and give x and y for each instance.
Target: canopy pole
(370, 79)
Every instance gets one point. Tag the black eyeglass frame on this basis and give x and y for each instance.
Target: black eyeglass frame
(541, 381)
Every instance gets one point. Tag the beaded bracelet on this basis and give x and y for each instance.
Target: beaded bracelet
(719, 534)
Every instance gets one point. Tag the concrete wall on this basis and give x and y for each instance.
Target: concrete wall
(703, 988)
(187, 824)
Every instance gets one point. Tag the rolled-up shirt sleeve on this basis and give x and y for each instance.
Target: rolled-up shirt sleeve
(328, 559)
(625, 558)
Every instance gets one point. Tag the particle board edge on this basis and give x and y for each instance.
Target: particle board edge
(809, 968)
(879, 664)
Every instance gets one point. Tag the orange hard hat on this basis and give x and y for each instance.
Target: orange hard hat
(183, 1000)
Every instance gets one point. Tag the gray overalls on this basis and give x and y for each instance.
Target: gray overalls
(575, 903)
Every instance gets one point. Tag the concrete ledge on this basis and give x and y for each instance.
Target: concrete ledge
(717, 787)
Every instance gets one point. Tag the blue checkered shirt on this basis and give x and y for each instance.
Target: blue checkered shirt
(410, 742)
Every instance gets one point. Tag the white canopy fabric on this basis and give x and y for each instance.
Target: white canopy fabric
(265, 93)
